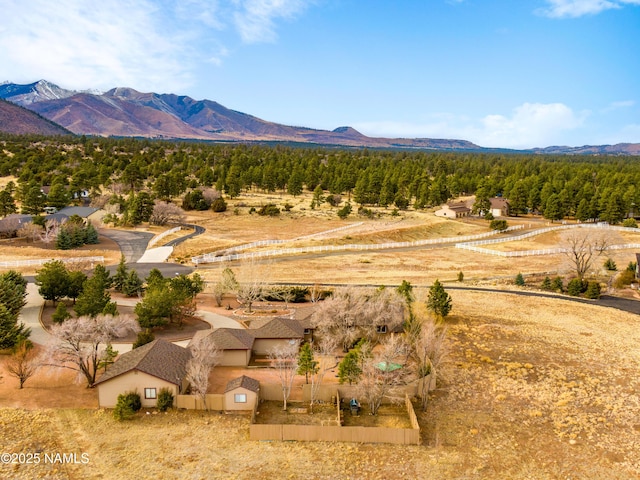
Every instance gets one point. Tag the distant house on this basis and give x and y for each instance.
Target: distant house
(241, 393)
(10, 224)
(453, 210)
(94, 215)
(499, 207)
(146, 370)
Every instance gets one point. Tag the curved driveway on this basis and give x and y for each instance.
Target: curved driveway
(132, 244)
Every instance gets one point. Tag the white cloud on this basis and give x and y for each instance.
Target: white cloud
(255, 19)
(579, 8)
(530, 125)
(144, 44)
(98, 45)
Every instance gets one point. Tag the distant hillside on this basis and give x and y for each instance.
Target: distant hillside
(127, 112)
(18, 120)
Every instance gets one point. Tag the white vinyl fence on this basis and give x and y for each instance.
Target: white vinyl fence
(474, 246)
(42, 261)
(215, 258)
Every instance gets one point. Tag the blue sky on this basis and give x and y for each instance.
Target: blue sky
(500, 73)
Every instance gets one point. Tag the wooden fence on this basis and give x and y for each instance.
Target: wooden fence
(214, 402)
(339, 433)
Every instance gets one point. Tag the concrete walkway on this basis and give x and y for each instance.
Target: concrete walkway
(156, 255)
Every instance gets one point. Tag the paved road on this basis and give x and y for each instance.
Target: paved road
(132, 244)
(197, 230)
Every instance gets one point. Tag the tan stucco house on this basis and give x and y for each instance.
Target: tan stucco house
(453, 210)
(274, 333)
(241, 393)
(146, 370)
(236, 345)
(499, 207)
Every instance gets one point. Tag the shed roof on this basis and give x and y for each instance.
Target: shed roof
(245, 382)
(159, 358)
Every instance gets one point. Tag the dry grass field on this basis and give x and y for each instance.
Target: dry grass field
(534, 388)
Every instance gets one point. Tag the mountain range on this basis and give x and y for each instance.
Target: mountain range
(129, 113)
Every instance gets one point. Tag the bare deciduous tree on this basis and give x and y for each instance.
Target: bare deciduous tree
(353, 313)
(30, 232)
(428, 350)
(326, 360)
(583, 248)
(23, 362)
(79, 343)
(50, 231)
(252, 283)
(284, 359)
(205, 355)
(165, 212)
(210, 195)
(382, 376)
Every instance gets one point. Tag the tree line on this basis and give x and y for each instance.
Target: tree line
(144, 171)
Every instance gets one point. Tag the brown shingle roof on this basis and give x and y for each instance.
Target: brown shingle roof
(159, 358)
(279, 328)
(244, 382)
(232, 339)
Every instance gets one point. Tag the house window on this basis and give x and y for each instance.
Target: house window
(381, 329)
(240, 398)
(149, 393)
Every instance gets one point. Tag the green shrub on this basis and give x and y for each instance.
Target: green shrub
(593, 290)
(630, 223)
(345, 211)
(632, 266)
(576, 287)
(61, 313)
(165, 400)
(219, 205)
(546, 284)
(520, 280)
(127, 405)
(144, 336)
(499, 225)
(610, 265)
(270, 210)
(460, 276)
(624, 279)
(557, 285)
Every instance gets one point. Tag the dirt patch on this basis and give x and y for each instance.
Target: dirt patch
(270, 412)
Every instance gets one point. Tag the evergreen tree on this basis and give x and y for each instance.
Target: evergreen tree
(132, 285)
(439, 301)
(94, 297)
(349, 368)
(546, 284)
(7, 203)
(557, 285)
(91, 235)
(519, 280)
(53, 280)
(122, 272)
(61, 313)
(63, 240)
(306, 363)
(10, 330)
(76, 284)
(593, 291)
